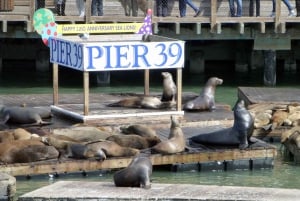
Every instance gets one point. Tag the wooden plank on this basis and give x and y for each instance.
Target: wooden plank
(113, 163)
(253, 95)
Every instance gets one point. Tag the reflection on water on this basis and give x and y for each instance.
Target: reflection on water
(283, 175)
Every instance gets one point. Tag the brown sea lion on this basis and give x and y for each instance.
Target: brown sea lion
(60, 142)
(21, 134)
(83, 133)
(34, 153)
(147, 102)
(206, 99)
(134, 141)
(111, 149)
(175, 143)
(136, 174)
(8, 149)
(6, 136)
(169, 87)
(141, 130)
(22, 115)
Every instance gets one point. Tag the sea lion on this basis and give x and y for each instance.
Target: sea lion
(60, 142)
(21, 134)
(111, 149)
(34, 153)
(206, 99)
(239, 134)
(22, 115)
(8, 149)
(141, 130)
(134, 141)
(169, 87)
(136, 174)
(83, 133)
(175, 142)
(80, 151)
(6, 136)
(146, 102)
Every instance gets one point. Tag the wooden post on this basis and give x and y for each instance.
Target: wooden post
(277, 15)
(179, 88)
(269, 67)
(88, 12)
(146, 82)
(213, 18)
(86, 93)
(55, 83)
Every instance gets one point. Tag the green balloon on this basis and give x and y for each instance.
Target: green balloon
(42, 17)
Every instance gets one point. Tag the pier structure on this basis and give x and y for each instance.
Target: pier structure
(246, 42)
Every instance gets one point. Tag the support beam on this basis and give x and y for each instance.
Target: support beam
(269, 67)
(179, 88)
(86, 93)
(146, 82)
(55, 83)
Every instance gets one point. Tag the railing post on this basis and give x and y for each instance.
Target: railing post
(88, 11)
(213, 14)
(277, 15)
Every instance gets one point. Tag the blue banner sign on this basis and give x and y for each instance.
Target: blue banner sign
(117, 55)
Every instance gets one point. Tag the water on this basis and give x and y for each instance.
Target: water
(283, 175)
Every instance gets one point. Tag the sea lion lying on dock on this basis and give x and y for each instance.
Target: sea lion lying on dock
(80, 151)
(136, 174)
(83, 133)
(169, 87)
(134, 141)
(22, 151)
(239, 134)
(29, 116)
(35, 153)
(71, 148)
(146, 102)
(141, 130)
(175, 143)
(206, 99)
(112, 149)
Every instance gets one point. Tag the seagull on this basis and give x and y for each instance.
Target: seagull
(84, 36)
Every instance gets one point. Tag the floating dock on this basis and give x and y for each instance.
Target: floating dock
(68, 190)
(259, 155)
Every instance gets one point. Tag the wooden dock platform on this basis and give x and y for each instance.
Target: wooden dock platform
(203, 159)
(253, 95)
(259, 155)
(68, 190)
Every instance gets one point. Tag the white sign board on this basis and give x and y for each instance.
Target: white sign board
(117, 55)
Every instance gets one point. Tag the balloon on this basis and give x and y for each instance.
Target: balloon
(41, 17)
(48, 31)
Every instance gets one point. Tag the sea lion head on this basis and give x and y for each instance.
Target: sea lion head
(174, 122)
(166, 75)
(100, 155)
(214, 81)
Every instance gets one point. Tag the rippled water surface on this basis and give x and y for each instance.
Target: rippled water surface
(283, 175)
